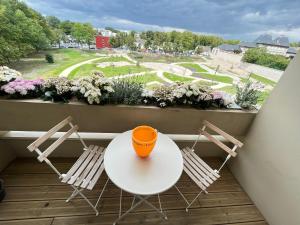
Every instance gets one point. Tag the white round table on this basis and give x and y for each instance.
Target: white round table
(143, 176)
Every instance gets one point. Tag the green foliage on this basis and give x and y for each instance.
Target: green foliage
(49, 58)
(295, 44)
(83, 33)
(126, 92)
(247, 95)
(22, 30)
(53, 21)
(261, 57)
(66, 26)
(124, 39)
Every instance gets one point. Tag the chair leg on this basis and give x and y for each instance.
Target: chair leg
(184, 198)
(73, 195)
(101, 192)
(86, 199)
(189, 205)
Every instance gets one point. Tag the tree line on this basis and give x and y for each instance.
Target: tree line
(169, 42)
(24, 30)
(260, 56)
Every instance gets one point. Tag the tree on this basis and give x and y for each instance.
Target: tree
(83, 33)
(22, 30)
(58, 36)
(53, 22)
(67, 26)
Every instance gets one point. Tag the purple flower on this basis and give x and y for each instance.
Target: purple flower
(22, 87)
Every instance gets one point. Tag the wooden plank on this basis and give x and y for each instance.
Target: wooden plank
(96, 166)
(53, 130)
(202, 216)
(96, 177)
(58, 142)
(195, 171)
(219, 143)
(198, 167)
(41, 209)
(87, 170)
(44, 221)
(77, 164)
(223, 133)
(83, 165)
(191, 175)
(202, 165)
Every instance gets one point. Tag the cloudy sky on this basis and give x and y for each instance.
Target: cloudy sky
(234, 19)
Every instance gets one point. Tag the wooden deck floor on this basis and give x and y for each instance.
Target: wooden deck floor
(36, 197)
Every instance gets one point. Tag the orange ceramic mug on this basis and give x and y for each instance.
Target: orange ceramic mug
(143, 140)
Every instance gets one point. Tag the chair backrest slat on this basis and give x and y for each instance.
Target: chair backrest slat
(47, 135)
(223, 133)
(52, 147)
(219, 143)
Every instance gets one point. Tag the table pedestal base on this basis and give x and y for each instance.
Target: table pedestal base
(134, 205)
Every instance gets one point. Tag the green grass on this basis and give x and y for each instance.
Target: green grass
(222, 79)
(263, 97)
(205, 83)
(35, 66)
(194, 67)
(111, 71)
(229, 89)
(174, 77)
(146, 78)
(112, 59)
(263, 80)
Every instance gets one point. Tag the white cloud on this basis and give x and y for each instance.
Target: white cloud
(292, 33)
(128, 24)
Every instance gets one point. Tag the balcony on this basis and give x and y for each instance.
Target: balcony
(260, 186)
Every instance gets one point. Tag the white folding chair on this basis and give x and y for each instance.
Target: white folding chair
(199, 171)
(86, 171)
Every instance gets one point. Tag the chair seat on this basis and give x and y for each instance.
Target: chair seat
(199, 171)
(87, 169)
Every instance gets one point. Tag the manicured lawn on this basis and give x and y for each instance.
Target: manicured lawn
(111, 71)
(263, 97)
(194, 67)
(146, 78)
(174, 77)
(222, 79)
(263, 80)
(229, 89)
(112, 59)
(36, 67)
(205, 83)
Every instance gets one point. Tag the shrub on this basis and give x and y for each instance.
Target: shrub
(94, 89)
(192, 94)
(49, 58)
(20, 88)
(57, 89)
(7, 75)
(126, 92)
(261, 57)
(247, 95)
